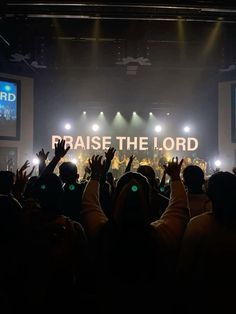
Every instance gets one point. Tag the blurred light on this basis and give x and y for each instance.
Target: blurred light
(150, 113)
(101, 112)
(134, 188)
(167, 113)
(158, 128)
(134, 113)
(7, 88)
(95, 127)
(84, 112)
(118, 112)
(74, 161)
(186, 129)
(217, 163)
(67, 126)
(35, 161)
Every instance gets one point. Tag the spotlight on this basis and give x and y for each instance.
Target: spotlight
(186, 129)
(118, 112)
(74, 161)
(84, 112)
(35, 161)
(167, 113)
(95, 127)
(101, 112)
(134, 113)
(158, 128)
(150, 113)
(217, 163)
(67, 126)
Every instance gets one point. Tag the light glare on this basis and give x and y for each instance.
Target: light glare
(35, 161)
(158, 128)
(67, 126)
(217, 163)
(186, 129)
(95, 127)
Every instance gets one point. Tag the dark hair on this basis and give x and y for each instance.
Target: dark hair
(221, 190)
(133, 189)
(193, 176)
(68, 172)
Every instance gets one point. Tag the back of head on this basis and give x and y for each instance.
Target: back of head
(7, 179)
(193, 177)
(149, 173)
(48, 190)
(68, 172)
(221, 190)
(131, 201)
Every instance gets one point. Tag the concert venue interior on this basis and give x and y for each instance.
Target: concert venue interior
(133, 69)
(117, 156)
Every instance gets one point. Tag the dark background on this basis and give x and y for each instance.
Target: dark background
(73, 61)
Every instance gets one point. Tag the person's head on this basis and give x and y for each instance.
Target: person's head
(7, 179)
(193, 178)
(149, 173)
(221, 189)
(68, 172)
(49, 192)
(131, 201)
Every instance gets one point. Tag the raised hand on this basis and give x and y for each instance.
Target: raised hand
(60, 149)
(42, 156)
(96, 166)
(131, 158)
(25, 166)
(173, 168)
(110, 153)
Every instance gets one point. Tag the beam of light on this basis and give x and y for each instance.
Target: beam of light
(84, 112)
(181, 37)
(212, 38)
(74, 161)
(218, 163)
(67, 126)
(186, 129)
(158, 128)
(95, 127)
(35, 161)
(119, 122)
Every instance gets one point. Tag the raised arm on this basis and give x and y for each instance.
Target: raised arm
(60, 151)
(128, 167)
(93, 217)
(42, 157)
(171, 226)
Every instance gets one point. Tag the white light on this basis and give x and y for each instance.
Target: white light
(150, 113)
(74, 161)
(67, 126)
(35, 161)
(167, 113)
(134, 113)
(101, 112)
(118, 112)
(217, 163)
(158, 128)
(186, 129)
(95, 127)
(84, 112)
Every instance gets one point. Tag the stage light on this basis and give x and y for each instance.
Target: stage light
(158, 128)
(67, 126)
(74, 161)
(217, 163)
(118, 112)
(134, 113)
(7, 88)
(167, 113)
(186, 129)
(84, 112)
(35, 161)
(150, 113)
(95, 127)
(101, 112)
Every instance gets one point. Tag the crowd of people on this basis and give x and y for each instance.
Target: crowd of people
(104, 244)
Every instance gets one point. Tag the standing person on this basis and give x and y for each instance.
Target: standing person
(134, 257)
(206, 271)
(194, 180)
